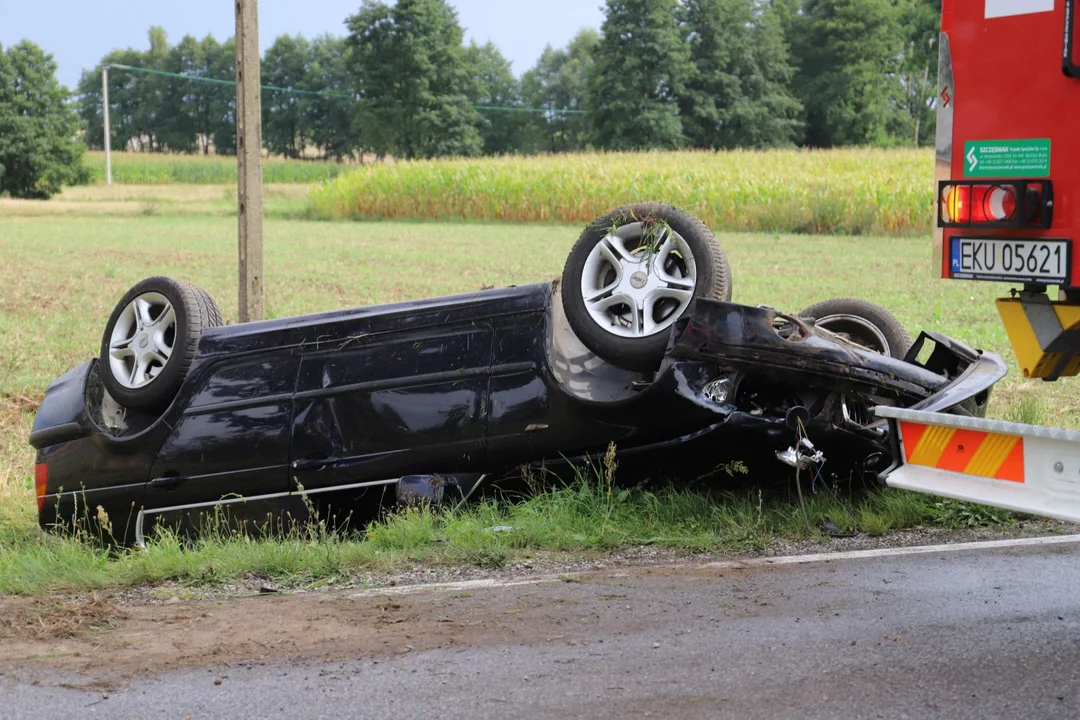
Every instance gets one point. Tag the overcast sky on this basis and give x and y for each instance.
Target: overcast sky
(79, 32)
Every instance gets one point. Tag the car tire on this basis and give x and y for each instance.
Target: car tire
(674, 257)
(151, 339)
(863, 323)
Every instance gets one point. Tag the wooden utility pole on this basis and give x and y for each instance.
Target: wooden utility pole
(249, 160)
(105, 123)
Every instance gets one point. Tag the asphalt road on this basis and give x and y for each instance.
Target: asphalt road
(988, 633)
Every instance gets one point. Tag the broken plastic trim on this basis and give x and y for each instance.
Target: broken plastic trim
(974, 382)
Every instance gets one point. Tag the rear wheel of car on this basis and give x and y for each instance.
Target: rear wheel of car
(151, 339)
(633, 273)
(862, 323)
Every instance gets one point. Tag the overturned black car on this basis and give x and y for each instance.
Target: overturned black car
(638, 345)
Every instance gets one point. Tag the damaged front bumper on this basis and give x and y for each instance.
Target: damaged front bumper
(781, 379)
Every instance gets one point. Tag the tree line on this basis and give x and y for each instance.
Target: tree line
(659, 74)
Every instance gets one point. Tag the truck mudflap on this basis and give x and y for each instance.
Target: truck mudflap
(1025, 468)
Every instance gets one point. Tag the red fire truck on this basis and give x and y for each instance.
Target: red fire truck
(1008, 210)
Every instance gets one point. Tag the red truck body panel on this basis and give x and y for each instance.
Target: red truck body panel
(1015, 114)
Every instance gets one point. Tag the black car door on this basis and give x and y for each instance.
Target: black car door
(398, 392)
(232, 439)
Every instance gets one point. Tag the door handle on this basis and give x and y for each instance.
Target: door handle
(168, 482)
(312, 465)
(1068, 67)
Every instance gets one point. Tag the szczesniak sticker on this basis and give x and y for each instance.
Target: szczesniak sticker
(1007, 158)
(1005, 8)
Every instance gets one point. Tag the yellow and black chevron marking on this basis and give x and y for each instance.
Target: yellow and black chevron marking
(1058, 347)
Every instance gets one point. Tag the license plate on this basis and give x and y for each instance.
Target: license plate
(1034, 261)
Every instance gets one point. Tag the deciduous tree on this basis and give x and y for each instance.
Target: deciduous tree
(39, 152)
(331, 116)
(286, 66)
(738, 93)
(497, 94)
(559, 83)
(409, 63)
(917, 76)
(642, 64)
(849, 55)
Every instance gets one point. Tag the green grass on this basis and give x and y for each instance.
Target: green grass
(856, 192)
(64, 268)
(588, 515)
(159, 169)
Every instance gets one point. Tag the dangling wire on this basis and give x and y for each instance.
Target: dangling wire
(799, 435)
(817, 476)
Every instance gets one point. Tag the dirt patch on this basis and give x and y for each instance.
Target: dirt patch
(107, 643)
(46, 619)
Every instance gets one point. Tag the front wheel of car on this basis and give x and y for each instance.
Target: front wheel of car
(635, 272)
(862, 323)
(151, 339)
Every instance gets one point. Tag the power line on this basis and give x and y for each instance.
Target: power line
(328, 93)
(231, 83)
(518, 108)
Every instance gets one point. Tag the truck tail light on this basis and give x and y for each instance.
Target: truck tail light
(980, 203)
(1004, 204)
(41, 483)
(999, 203)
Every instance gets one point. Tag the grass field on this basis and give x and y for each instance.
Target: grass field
(855, 192)
(64, 268)
(158, 169)
(283, 200)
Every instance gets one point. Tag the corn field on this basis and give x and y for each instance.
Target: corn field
(855, 192)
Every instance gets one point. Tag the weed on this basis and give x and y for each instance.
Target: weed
(1027, 408)
(958, 515)
(872, 523)
(491, 556)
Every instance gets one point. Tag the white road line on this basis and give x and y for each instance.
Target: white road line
(896, 552)
(485, 583)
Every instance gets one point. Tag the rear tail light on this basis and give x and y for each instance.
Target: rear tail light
(41, 483)
(979, 203)
(1007, 204)
(999, 203)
